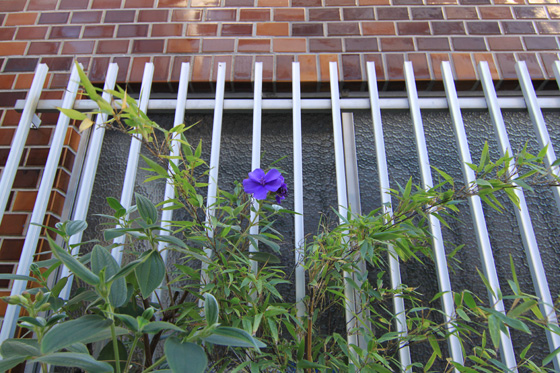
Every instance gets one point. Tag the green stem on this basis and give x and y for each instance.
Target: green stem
(155, 365)
(116, 348)
(44, 367)
(126, 368)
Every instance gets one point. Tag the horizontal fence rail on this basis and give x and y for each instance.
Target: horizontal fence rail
(347, 178)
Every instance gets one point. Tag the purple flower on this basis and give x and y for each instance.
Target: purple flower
(259, 184)
(281, 193)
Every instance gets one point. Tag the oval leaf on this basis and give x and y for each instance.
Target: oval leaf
(102, 258)
(146, 209)
(181, 355)
(150, 273)
(107, 354)
(75, 226)
(19, 348)
(70, 332)
(228, 336)
(73, 264)
(211, 309)
(75, 360)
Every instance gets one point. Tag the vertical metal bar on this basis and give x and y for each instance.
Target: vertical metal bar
(484, 247)
(133, 157)
(88, 175)
(256, 151)
(18, 142)
(394, 267)
(435, 227)
(167, 215)
(298, 190)
(214, 161)
(350, 303)
(524, 220)
(38, 215)
(538, 122)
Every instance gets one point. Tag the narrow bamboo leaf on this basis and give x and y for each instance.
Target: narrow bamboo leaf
(435, 345)
(155, 166)
(550, 356)
(211, 309)
(305, 364)
(72, 114)
(86, 123)
(181, 355)
(146, 209)
(73, 264)
(150, 273)
(263, 257)
(75, 360)
(66, 333)
(5, 276)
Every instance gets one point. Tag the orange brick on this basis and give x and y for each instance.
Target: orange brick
(324, 60)
(24, 201)
(308, 67)
(488, 57)
(290, 45)
(253, 45)
(378, 28)
(183, 45)
(56, 203)
(273, 3)
(19, 19)
(24, 81)
(437, 58)
(273, 29)
(6, 81)
(464, 68)
(292, 14)
(204, 3)
(9, 48)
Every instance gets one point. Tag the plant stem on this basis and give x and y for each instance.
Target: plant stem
(154, 365)
(126, 368)
(116, 348)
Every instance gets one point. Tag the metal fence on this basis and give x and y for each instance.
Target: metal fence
(347, 181)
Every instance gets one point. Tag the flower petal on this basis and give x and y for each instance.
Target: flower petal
(257, 175)
(260, 193)
(273, 180)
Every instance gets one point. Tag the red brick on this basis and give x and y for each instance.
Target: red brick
(495, 12)
(62, 180)
(307, 29)
(13, 224)
(119, 16)
(86, 17)
(518, 27)
(548, 60)
(202, 29)
(306, 3)
(123, 63)
(106, 4)
(31, 33)
(176, 71)
(12, 5)
(6, 81)
(98, 32)
(238, 3)
(427, 13)
(112, 46)
(436, 59)
(351, 67)
(237, 29)
(342, 28)
(448, 28)
(340, 2)
(308, 67)
(43, 47)
(139, 4)
(8, 99)
(186, 15)
(284, 67)
(273, 3)
(325, 45)
(183, 45)
(221, 15)
(173, 4)
(535, 71)
(65, 32)
(292, 14)
(11, 249)
(7, 33)
(358, 14)
(413, 28)
(324, 60)
(464, 67)
(78, 47)
(153, 15)
(243, 68)
(24, 81)
(42, 4)
(56, 203)
(132, 31)
(228, 62)
(321, 14)
(73, 4)
(254, 15)
(468, 44)
(167, 29)
(273, 29)
(218, 45)
(505, 43)
(203, 3)
(53, 18)
(253, 45)
(534, 12)
(288, 45)
(202, 68)
(506, 65)
(540, 43)
(268, 67)
(421, 67)
(138, 67)
(378, 28)
(20, 19)
(396, 44)
(361, 44)
(392, 13)
(483, 28)
(98, 69)
(148, 46)
(161, 68)
(394, 64)
(462, 12)
(374, 2)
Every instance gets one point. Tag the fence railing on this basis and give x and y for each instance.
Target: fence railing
(346, 172)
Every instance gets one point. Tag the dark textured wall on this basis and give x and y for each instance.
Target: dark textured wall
(320, 187)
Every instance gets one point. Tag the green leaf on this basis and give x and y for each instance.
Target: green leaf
(107, 354)
(235, 337)
(72, 114)
(155, 166)
(19, 348)
(146, 209)
(9, 363)
(550, 356)
(70, 332)
(5, 276)
(305, 364)
(115, 204)
(73, 264)
(129, 321)
(102, 258)
(79, 348)
(75, 226)
(263, 257)
(75, 360)
(172, 240)
(211, 309)
(435, 346)
(150, 273)
(157, 326)
(105, 334)
(181, 355)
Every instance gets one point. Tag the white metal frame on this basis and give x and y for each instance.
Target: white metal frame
(346, 173)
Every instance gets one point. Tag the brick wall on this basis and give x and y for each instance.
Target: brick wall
(240, 32)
